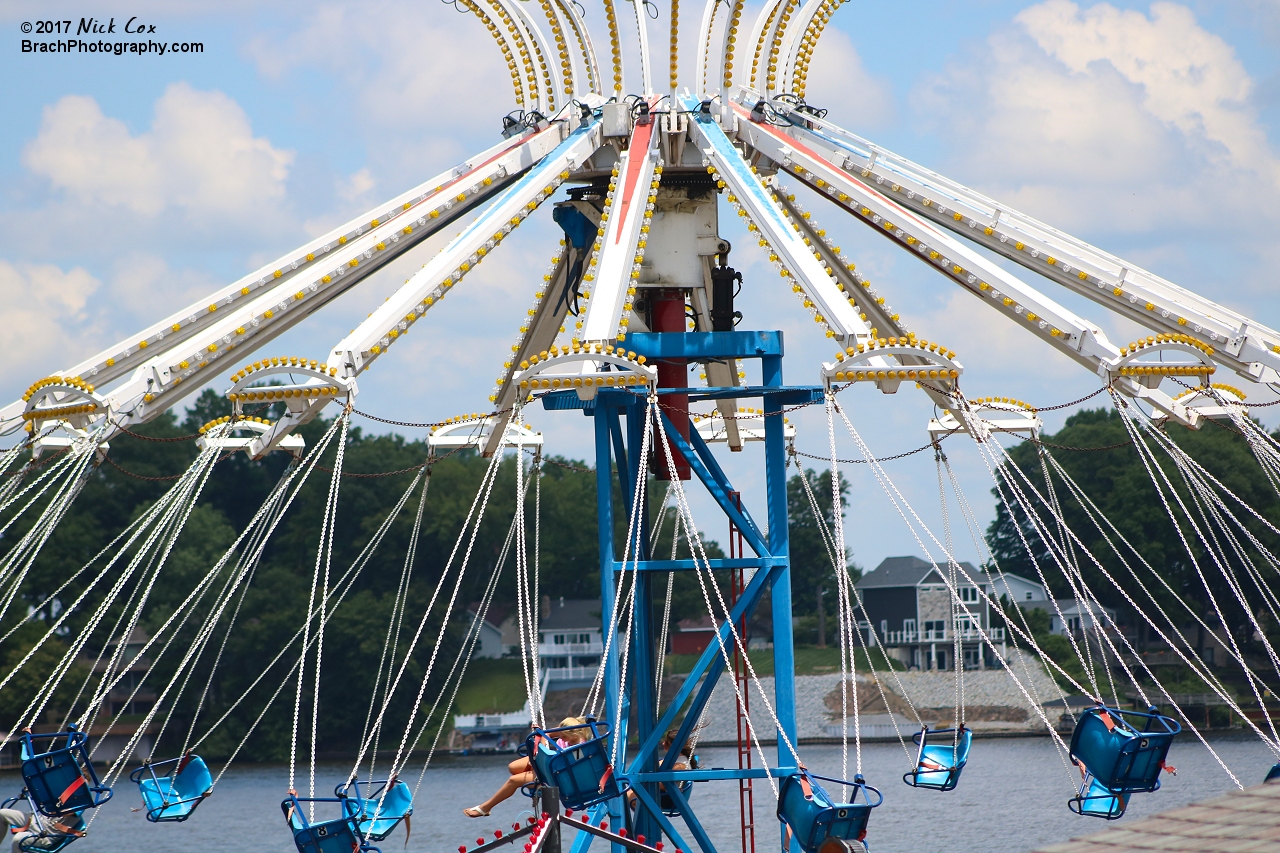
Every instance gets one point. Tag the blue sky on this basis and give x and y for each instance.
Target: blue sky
(131, 185)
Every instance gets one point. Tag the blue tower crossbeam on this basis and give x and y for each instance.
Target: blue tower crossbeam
(617, 447)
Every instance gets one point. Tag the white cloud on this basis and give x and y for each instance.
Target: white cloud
(200, 156)
(408, 73)
(1189, 78)
(840, 82)
(45, 316)
(145, 285)
(355, 187)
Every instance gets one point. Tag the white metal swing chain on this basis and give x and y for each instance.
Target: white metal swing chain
(862, 641)
(1016, 488)
(702, 566)
(392, 640)
(896, 498)
(1094, 514)
(306, 644)
(481, 500)
(595, 694)
(635, 530)
(482, 497)
(957, 605)
(345, 584)
(980, 546)
(839, 559)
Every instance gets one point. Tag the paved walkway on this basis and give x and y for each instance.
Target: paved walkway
(1245, 821)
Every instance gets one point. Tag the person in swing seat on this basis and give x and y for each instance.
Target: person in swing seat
(522, 768)
(47, 837)
(687, 761)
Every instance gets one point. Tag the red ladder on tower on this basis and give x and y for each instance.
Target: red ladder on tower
(746, 805)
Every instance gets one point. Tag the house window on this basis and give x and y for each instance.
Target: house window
(1073, 623)
(542, 638)
(909, 627)
(884, 627)
(1028, 595)
(584, 638)
(935, 629)
(969, 594)
(559, 639)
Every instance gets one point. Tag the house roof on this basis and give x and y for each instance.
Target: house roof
(912, 571)
(494, 616)
(567, 614)
(1243, 821)
(697, 623)
(904, 571)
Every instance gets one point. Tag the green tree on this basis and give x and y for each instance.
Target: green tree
(1121, 487)
(813, 578)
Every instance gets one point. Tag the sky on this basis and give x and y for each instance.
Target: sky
(132, 185)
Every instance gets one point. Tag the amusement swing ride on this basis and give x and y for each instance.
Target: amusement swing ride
(641, 289)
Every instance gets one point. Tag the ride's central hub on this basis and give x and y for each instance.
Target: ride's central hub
(667, 312)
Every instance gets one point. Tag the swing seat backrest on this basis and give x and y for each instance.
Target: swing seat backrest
(814, 816)
(1121, 757)
(331, 836)
(940, 758)
(58, 774)
(581, 771)
(667, 804)
(379, 809)
(1273, 775)
(1095, 800)
(171, 797)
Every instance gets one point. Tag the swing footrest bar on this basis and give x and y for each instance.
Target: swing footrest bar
(505, 839)
(629, 843)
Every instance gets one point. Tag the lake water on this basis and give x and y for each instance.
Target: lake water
(1011, 799)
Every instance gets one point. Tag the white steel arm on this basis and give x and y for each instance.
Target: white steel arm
(1246, 346)
(822, 166)
(769, 223)
(430, 284)
(180, 365)
(619, 246)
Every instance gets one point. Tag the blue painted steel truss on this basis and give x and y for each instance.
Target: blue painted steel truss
(619, 429)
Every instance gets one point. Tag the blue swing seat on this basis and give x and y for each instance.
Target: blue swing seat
(667, 804)
(377, 806)
(581, 771)
(1095, 800)
(172, 794)
(814, 816)
(59, 776)
(938, 763)
(337, 835)
(1121, 757)
(1273, 774)
(46, 839)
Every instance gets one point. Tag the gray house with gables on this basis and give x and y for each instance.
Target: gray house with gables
(905, 603)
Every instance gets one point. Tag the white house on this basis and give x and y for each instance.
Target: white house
(570, 642)
(491, 643)
(1079, 616)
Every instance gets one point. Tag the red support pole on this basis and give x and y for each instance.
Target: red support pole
(746, 799)
(667, 314)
